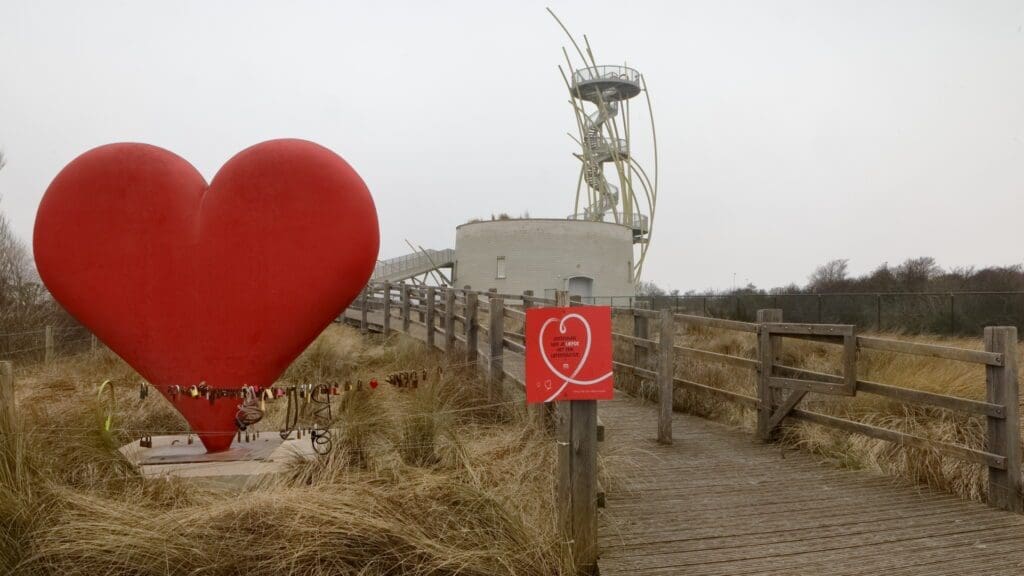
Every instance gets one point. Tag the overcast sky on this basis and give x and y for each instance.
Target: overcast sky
(790, 132)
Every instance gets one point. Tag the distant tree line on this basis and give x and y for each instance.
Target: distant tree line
(913, 275)
(25, 304)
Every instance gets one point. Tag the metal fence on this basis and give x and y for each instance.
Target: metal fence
(951, 313)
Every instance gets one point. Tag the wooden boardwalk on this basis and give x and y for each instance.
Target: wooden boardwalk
(716, 502)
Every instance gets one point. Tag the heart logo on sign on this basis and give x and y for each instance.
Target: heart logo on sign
(223, 284)
(567, 351)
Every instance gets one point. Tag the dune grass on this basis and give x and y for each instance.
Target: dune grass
(432, 480)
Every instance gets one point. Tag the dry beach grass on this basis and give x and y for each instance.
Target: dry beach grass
(436, 480)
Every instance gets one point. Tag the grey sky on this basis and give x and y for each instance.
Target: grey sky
(790, 132)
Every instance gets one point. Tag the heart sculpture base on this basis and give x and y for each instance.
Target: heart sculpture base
(242, 463)
(223, 284)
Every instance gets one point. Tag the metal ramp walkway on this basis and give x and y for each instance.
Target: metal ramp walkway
(413, 265)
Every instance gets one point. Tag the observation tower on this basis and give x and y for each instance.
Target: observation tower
(612, 185)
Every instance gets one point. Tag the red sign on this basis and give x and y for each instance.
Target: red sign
(568, 354)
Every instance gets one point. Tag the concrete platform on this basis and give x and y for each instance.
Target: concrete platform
(242, 464)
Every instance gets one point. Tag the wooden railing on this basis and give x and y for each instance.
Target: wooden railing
(779, 388)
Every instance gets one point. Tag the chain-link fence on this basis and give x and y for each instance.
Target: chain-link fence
(920, 312)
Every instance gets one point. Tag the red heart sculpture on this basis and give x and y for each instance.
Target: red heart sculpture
(224, 283)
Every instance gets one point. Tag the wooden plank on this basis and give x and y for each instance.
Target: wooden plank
(495, 333)
(386, 325)
(808, 386)
(789, 404)
(717, 358)
(514, 346)
(470, 327)
(908, 395)
(513, 314)
(837, 330)
(636, 340)
(719, 323)
(850, 361)
(641, 353)
(1005, 485)
(767, 354)
(583, 480)
(635, 370)
(563, 483)
(449, 321)
(930, 350)
(903, 439)
(748, 401)
(364, 309)
(644, 313)
(666, 369)
(431, 320)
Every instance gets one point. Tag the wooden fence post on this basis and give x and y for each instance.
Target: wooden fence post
(640, 351)
(541, 415)
(768, 349)
(48, 343)
(430, 317)
(387, 309)
(1003, 438)
(8, 406)
(472, 327)
(364, 310)
(449, 320)
(496, 332)
(577, 474)
(419, 304)
(405, 308)
(666, 369)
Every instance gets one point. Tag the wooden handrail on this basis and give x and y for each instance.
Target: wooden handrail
(930, 350)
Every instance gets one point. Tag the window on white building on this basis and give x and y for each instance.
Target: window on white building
(501, 268)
